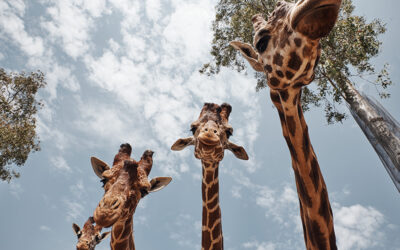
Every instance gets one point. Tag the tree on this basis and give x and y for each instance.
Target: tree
(345, 60)
(18, 107)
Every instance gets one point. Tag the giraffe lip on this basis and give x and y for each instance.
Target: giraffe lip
(208, 140)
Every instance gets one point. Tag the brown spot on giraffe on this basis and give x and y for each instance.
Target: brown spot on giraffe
(324, 210)
(295, 30)
(268, 68)
(295, 61)
(273, 81)
(280, 73)
(314, 173)
(297, 41)
(278, 59)
(211, 133)
(284, 95)
(289, 75)
(291, 124)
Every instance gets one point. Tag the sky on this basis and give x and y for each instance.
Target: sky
(127, 71)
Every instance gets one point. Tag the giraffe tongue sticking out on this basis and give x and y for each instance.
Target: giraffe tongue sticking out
(210, 138)
(287, 50)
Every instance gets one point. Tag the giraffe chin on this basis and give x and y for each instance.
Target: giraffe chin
(105, 219)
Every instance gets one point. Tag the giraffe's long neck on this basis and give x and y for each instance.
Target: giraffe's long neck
(211, 237)
(122, 235)
(315, 208)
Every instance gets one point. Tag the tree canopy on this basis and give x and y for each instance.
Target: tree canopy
(345, 58)
(18, 106)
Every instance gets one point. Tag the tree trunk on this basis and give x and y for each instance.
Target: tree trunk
(381, 129)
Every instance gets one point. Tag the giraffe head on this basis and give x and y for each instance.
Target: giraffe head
(211, 134)
(126, 183)
(89, 236)
(287, 44)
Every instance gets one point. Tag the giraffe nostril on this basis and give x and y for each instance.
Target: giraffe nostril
(206, 129)
(115, 204)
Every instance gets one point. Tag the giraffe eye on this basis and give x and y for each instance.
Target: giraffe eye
(262, 44)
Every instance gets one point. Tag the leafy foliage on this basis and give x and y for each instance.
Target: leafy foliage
(18, 107)
(346, 52)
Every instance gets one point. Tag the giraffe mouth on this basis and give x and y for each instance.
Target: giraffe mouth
(209, 141)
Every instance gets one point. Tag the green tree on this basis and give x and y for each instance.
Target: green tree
(345, 58)
(18, 106)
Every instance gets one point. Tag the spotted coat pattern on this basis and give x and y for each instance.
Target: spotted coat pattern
(288, 51)
(126, 181)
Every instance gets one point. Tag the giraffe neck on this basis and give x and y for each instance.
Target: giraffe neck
(122, 235)
(211, 237)
(315, 208)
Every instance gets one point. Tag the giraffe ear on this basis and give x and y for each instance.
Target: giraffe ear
(249, 54)
(182, 143)
(238, 151)
(103, 236)
(159, 183)
(77, 230)
(98, 166)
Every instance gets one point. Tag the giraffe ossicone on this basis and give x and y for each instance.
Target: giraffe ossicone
(287, 50)
(211, 132)
(126, 182)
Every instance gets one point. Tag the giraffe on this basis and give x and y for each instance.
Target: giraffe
(210, 138)
(89, 236)
(125, 184)
(287, 50)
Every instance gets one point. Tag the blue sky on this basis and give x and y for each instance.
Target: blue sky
(127, 71)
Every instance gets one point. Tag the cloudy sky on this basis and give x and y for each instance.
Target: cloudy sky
(127, 71)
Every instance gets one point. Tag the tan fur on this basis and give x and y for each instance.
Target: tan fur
(210, 138)
(288, 49)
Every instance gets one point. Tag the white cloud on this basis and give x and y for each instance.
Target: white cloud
(44, 228)
(15, 189)
(259, 245)
(131, 10)
(74, 210)
(95, 7)
(60, 164)
(77, 189)
(153, 9)
(358, 227)
(114, 45)
(280, 204)
(235, 191)
(188, 32)
(183, 229)
(71, 22)
(12, 25)
(47, 132)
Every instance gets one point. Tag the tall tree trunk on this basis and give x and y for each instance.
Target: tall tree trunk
(381, 129)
